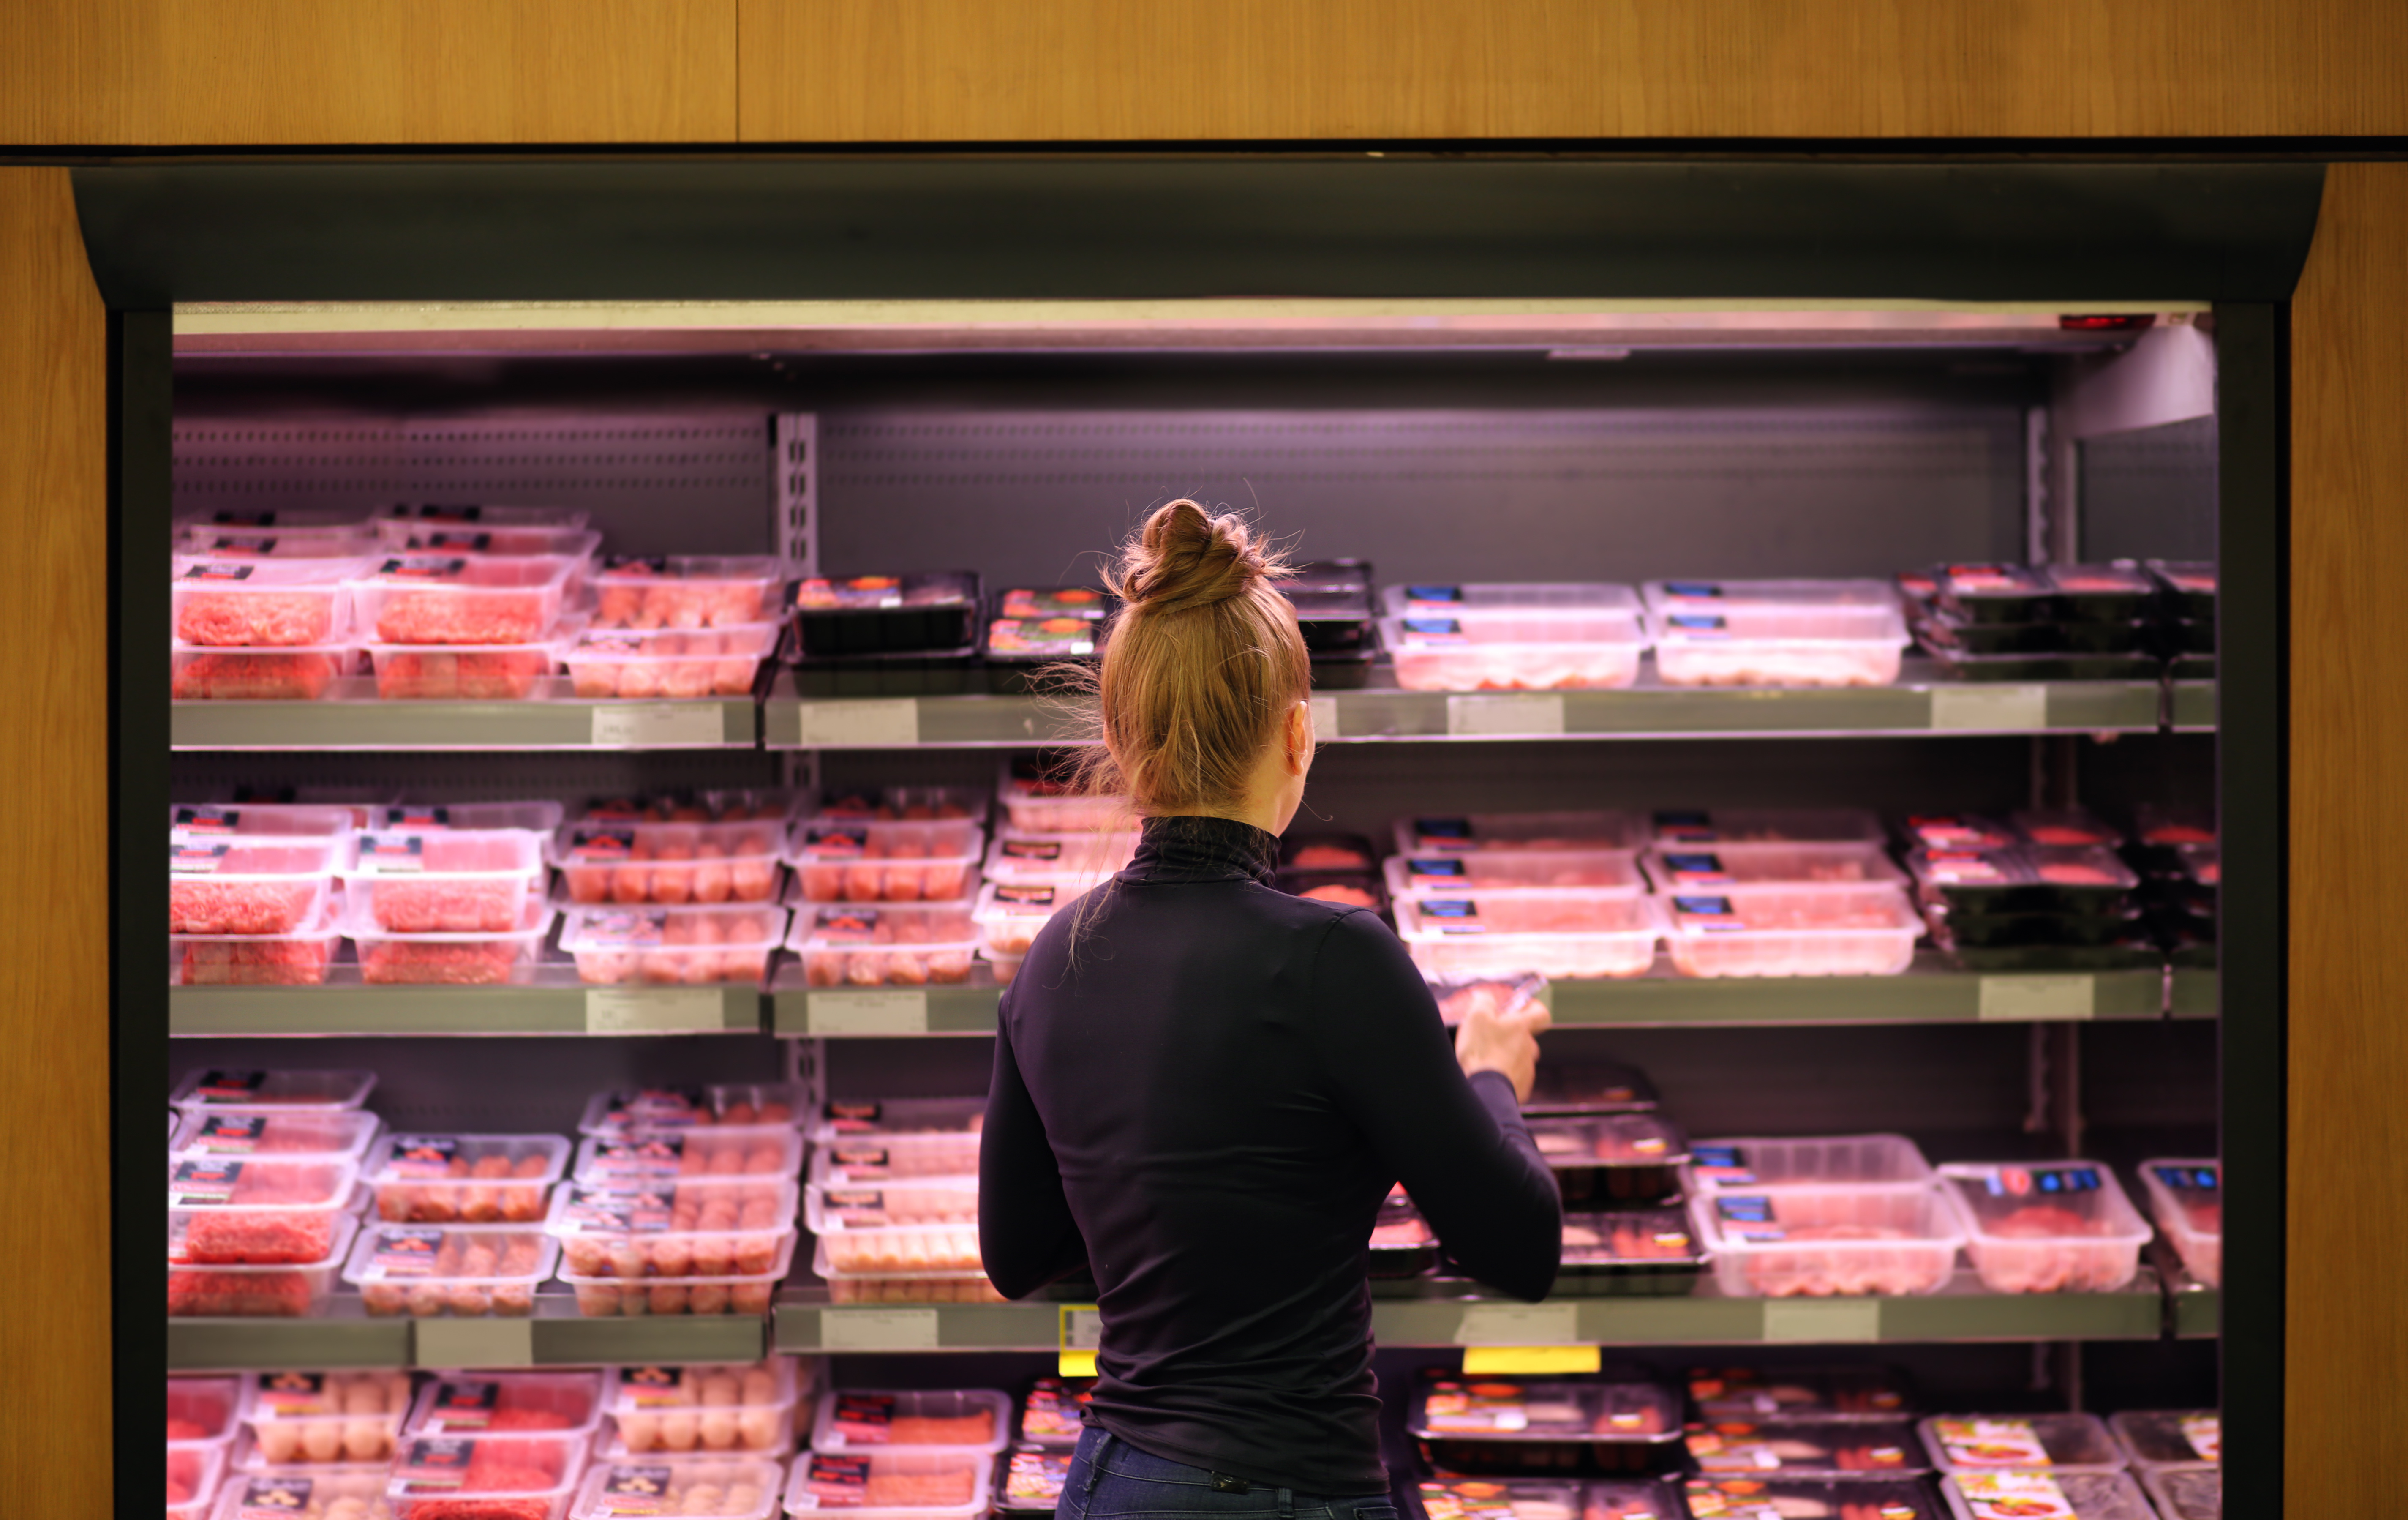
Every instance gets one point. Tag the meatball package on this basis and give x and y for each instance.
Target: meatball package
(673, 946)
(860, 860)
(644, 1157)
(941, 1269)
(681, 1488)
(1039, 798)
(321, 1418)
(718, 661)
(676, 1411)
(735, 1104)
(891, 945)
(673, 864)
(1607, 1424)
(2059, 1227)
(686, 591)
(465, 1271)
(466, 1179)
(931, 1200)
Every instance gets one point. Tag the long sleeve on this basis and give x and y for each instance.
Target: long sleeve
(1027, 1236)
(1459, 1145)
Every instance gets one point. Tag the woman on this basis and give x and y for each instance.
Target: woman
(1204, 1087)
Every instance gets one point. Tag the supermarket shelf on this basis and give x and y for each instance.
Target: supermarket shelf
(853, 1013)
(2194, 1310)
(352, 719)
(805, 1321)
(2190, 706)
(555, 1336)
(2191, 992)
(556, 1003)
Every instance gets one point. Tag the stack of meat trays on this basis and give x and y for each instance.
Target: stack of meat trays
(1332, 867)
(250, 627)
(2186, 1200)
(514, 1475)
(1335, 612)
(2187, 617)
(1823, 1426)
(1031, 630)
(337, 1431)
(902, 1453)
(473, 604)
(733, 1488)
(2055, 1226)
(445, 906)
(893, 1199)
(705, 1410)
(201, 1427)
(2178, 1454)
(1490, 895)
(459, 1226)
(2044, 890)
(2173, 851)
(1056, 842)
(1029, 1476)
(1770, 892)
(1609, 1424)
(252, 894)
(1512, 637)
(1998, 1467)
(1447, 1496)
(677, 626)
(1775, 633)
(680, 1202)
(262, 1189)
(675, 889)
(885, 883)
(1844, 1214)
(2037, 622)
(1621, 1177)
(913, 633)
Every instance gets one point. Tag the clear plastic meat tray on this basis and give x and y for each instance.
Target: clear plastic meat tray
(687, 591)
(869, 1160)
(418, 599)
(668, 863)
(606, 663)
(395, 525)
(1774, 1498)
(1821, 930)
(1002, 967)
(1039, 803)
(343, 1135)
(1758, 644)
(1996, 1443)
(1576, 596)
(1810, 1161)
(1492, 873)
(1807, 1448)
(320, 1419)
(863, 861)
(1073, 862)
(1605, 829)
(904, 805)
(290, 1091)
(444, 880)
(257, 674)
(487, 1477)
(1705, 827)
(673, 946)
(739, 1105)
(640, 1156)
(438, 538)
(695, 1228)
(195, 530)
(201, 1410)
(681, 1488)
(721, 805)
(539, 816)
(829, 1208)
(255, 960)
(850, 1118)
(255, 602)
(963, 1420)
(1554, 934)
(218, 885)
(884, 945)
(891, 1250)
(697, 1294)
(461, 672)
(672, 1411)
(193, 1474)
(464, 1179)
(1008, 916)
(1689, 868)
(507, 1404)
(469, 958)
(1863, 599)
(260, 1211)
(468, 1271)
(2058, 1226)
(1606, 1425)
(1817, 1241)
(352, 1491)
(2185, 1493)
(254, 821)
(2165, 1437)
(221, 1290)
(2187, 1199)
(1513, 651)
(890, 1486)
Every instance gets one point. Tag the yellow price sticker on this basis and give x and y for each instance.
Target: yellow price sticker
(1082, 1327)
(1529, 1361)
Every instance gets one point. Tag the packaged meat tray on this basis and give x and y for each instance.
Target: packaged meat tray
(1074, 862)
(1783, 1499)
(604, 663)
(904, 805)
(960, 1419)
(740, 1105)
(478, 539)
(443, 881)
(681, 1488)
(1643, 1252)
(2061, 1227)
(708, 1226)
(255, 960)
(1491, 1498)
(2189, 585)
(465, 1271)
(672, 946)
(1744, 645)
(848, 1117)
(257, 674)
(344, 1492)
(1002, 967)
(912, 1286)
(1491, 872)
(234, 1290)
(2166, 1438)
(699, 1293)
(887, 614)
(954, 672)
(343, 1135)
(321, 1418)
(1613, 1157)
(501, 672)
(218, 885)
(2168, 824)
(474, 959)
(845, 861)
(1087, 604)
(1956, 831)
(464, 1179)
(1513, 651)
(2117, 593)
(395, 525)
(856, 1161)
(941, 1200)
(507, 1404)
(1315, 852)
(1818, 1241)
(193, 1473)
(201, 1410)
(1030, 628)
(442, 599)
(1030, 1480)
(2185, 1493)
(1402, 1244)
(2028, 667)
(257, 1210)
(2187, 1202)
(2044, 1496)
(1690, 828)
(1950, 638)
(1994, 594)
(298, 603)
(1053, 1411)
(1992, 931)
(259, 820)
(887, 945)
(1795, 1394)
(359, 802)
(1806, 1448)
(2035, 878)
(1865, 600)
(892, 1485)
(1628, 1499)
(1825, 929)
(892, 1249)
(1587, 597)
(195, 529)
(1991, 1443)
(1590, 1085)
(735, 805)
(1605, 1424)
(650, 1155)
(1606, 829)
(673, 1411)
(1038, 797)
(1697, 867)
(1811, 1161)
(486, 1477)
(288, 1091)
(1008, 916)
(1334, 611)
(686, 591)
(1554, 934)
(534, 815)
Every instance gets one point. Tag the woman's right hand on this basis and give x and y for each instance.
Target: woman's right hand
(1489, 1039)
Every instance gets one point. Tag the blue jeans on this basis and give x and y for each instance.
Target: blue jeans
(1109, 1478)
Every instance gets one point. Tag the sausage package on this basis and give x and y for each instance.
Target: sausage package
(1806, 1449)
(1604, 1424)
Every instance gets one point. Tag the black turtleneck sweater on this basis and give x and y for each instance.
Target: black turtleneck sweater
(1206, 1099)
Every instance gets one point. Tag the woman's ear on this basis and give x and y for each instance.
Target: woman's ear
(1300, 737)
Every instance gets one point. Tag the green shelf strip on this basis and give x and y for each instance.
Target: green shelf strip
(555, 1336)
(355, 1009)
(712, 723)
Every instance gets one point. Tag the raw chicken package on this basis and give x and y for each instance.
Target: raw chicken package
(289, 1091)
(1612, 1158)
(866, 1160)
(1513, 651)
(890, 944)
(436, 598)
(874, 1419)
(1823, 929)
(640, 1156)
(681, 1488)
(839, 860)
(1745, 643)
(465, 1271)
(218, 1290)
(1645, 1251)
(702, 1246)
(464, 1179)
(733, 804)
(1490, 1498)
(1607, 1424)
(1755, 1166)
(892, 1485)
(891, 1248)
(668, 863)
(906, 1282)
(1494, 872)
(317, 1418)
(674, 1411)
(1039, 796)
(1554, 934)
(1008, 916)
(1992, 1442)
(2058, 1226)
(2185, 1493)
(248, 603)
(257, 674)
(1788, 1498)
(1074, 862)
(935, 1201)
(485, 1477)
(673, 663)
(2167, 1438)
(507, 1404)
(1603, 829)
(887, 614)
(469, 958)
(1052, 1411)
(1402, 1243)
(698, 1294)
(1795, 1394)
(1806, 1448)
(444, 880)
(2187, 1202)
(219, 884)
(686, 591)
(739, 1105)
(1818, 1241)
(343, 1135)
(257, 1210)
(1696, 868)
(673, 946)
(1688, 828)
(2045, 1495)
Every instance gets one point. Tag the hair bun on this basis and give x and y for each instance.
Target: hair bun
(1184, 557)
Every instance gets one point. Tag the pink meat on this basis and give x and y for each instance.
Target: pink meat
(254, 678)
(269, 963)
(202, 906)
(444, 962)
(450, 617)
(260, 617)
(464, 678)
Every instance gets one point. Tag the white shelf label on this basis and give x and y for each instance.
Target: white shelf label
(1822, 1319)
(1519, 1325)
(1987, 709)
(474, 1343)
(898, 1012)
(1083, 1327)
(2026, 999)
(652, 725)
(639, 1011)
(1514, 713)
(1325, 718)
(885, 723)
(876, 1329)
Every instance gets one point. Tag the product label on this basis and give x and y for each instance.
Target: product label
(1052, 1410)
(407, 1253)
(1025, 897)
(1747, 1498)
(2189, 1179)
(878, 1329)
(1435, 630)
(859, 1157)
(207, 818)
(1714, 915)
(1991, 1443)
(857, 1206)
(230, 1133)
(645, 1482)
(421, 567)
(242, 546)
(437, 513)
(1750, 1219)
(636, 566)
(1485, 1498)
(220, 570)
(839, 1483)
(1032, 849)
(1486, 1408)
(436, 1462)
(1443, 833)
(1435, 596)
(244, 520)
(393, 854)
(602, 846)
(865, 1418)
(1692, 588)
(2023, 1182)
(418, 815)
(654, 1156)
(616, 1210)
(274, 1498)
(203, 1184)
(2013, 1495)
(651, 1387)
(1442, 867)
(1695, 869)
(2205, 1433)
(1453, 915)
(856, 925)
(196, 858)
(1034, 1480)
(627, 926)
(474, 542)
(460, 1406)
(1721, 1163)
(423, 1155)
(229, 1087)
(293, 1392)
(1697, 623)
